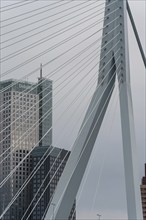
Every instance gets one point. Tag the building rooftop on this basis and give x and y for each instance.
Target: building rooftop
(40, 150)
(9, 81)
(18, 85)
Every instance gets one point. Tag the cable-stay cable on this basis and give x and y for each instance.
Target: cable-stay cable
(67, 62)
(9, 153)
(86, 175)
(66, 155)
(56, 205)
(101, 168)
(66, 72)
(104, 156)
(59, 32)
(61, 66)
(77, 163)
(25, 13)
(90, 83)
(47, 185)
(62, 32)
(45, 89)
(82, 112)
(43, 40)
(6, 6)
(33, 29)
(30, 129)
(2, 183)
(48, 50)
(27, 155)
(41, 54)
(24, 134)
(44, 65)
(52, 73)
(71, 132)
(49, 182)
(49, 201)
(34, 22)
(39, 164)
(48, 28)
(36, 13)
(28, 110)
(29, 60)
(49, 100)
(94, 81)
(100, 96)
(38, 190)
(44, 97)
(56, 71)
(31, 175)
(26, 3)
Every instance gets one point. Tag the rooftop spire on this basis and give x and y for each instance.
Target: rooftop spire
(41, 72)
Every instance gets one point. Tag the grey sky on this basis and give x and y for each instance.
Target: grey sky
(106, 164)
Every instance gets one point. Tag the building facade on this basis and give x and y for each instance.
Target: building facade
(26, 122)
(20, 131)
(46, 179)
(18, 114)
(143, 194)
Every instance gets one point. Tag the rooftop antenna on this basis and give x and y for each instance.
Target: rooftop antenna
(41, 72)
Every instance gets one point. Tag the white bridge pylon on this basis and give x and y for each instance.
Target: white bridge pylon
(117, 63)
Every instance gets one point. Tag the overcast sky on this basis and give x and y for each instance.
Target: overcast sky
(104, 187)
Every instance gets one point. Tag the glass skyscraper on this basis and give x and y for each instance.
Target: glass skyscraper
(19, 112)
(26, 123)
(23, 123)
(50, 170)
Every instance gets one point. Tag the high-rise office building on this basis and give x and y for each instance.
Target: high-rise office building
(18, 113)
(48, 176)
(143, 194)
(20, 131)
(25, 122)
(45, 111)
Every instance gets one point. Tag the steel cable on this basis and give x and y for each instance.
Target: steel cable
(16, 6)
(46, 51)
(48, 28)
(61, 31)
(74, 168)
(36, 14)
(57, 93)
(56, 70)
(2, 183)
(25, 13)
